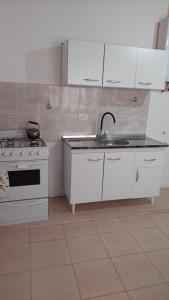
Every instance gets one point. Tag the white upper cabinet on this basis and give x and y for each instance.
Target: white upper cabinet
(120, 66)
(151, 69)
(88, 64)
(82, 63)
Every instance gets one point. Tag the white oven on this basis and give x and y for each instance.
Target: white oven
(22, 180)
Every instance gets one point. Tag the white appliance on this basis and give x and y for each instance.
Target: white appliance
(163, 40)
(23, 178)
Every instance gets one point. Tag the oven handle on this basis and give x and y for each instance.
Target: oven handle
(28, 166)
(22, 167)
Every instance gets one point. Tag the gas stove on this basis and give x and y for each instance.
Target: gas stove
(23, 178)
(14, 145)
(20, 143)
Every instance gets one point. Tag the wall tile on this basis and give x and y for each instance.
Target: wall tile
(28, 98)
(24, 118)
(70, 100)
(68, 124)
(49, 94)
(67, 102)
(8, 121)
(8, 98)
(50, 127)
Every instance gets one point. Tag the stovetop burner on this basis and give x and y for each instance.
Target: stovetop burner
(6, 142)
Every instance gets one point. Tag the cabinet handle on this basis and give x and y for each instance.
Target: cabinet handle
(137, 175)
(144, 83)
(89, 79)
(113, 81)
(94, 159)
(152, 159)
(118, 158)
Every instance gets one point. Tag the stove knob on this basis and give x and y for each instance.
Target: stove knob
(4, 153)
(30, 153)
(12, 153)
(39, 153)
(22, 153)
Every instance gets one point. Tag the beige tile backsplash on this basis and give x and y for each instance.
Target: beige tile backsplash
(22, 102)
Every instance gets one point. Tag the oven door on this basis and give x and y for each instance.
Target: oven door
(26, 180)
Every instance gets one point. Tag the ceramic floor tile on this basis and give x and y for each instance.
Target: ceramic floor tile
(161, 261)
(120, 296)
(165, 230)
(45, 233)
(79, 229)
(109, 225)
(49, 254)
(103, 213)
(86, 248)
(128, 210)
(14, 259)
(79, 216)
(137, 271)
(150, 239)
(161, 219)
(97, 278)
(14, 237)
(120, 243)
(15, 286)
(55, 284)
(137, 221)
(158, 292)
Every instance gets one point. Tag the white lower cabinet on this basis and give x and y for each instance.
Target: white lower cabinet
(118, 175)
(113, 175)
(146, 182)
(147, 177)
(86, 177)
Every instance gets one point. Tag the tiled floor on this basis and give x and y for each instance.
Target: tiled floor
(107, 251)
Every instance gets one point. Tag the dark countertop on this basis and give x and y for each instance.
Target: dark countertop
(138, 142)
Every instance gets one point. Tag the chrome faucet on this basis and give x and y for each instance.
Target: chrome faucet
(100, 135)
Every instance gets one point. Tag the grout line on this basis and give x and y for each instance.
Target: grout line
(30, 253)
(148, 286)
(163, 233)
(145, 253)
(110, 258)
(72, 265)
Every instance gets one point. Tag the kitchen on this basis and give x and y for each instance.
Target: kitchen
(31, 90)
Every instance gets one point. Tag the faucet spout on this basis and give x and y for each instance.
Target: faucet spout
(102, 119)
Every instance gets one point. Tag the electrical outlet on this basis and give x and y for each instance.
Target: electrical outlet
(83, 117)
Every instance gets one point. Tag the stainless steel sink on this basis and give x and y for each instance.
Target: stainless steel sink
(118, 142)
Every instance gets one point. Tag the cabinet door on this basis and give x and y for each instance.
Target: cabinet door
(158, 120)
(85, 63)
(118, 175)
(158, 127)
(151, 69)
(146, 182)
(86, 177)
(120, 66)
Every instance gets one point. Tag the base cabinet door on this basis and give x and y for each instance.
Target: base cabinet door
(147, 182)
(86, 177)
(118, 175)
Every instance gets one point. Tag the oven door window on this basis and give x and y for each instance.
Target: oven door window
(24, 178)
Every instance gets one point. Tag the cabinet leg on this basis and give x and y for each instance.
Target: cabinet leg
(152, 200)
(73, 208)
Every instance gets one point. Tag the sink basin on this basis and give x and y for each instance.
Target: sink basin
(120, 142)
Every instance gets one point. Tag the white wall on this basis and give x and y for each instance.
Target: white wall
(158, 127)
(39, 24)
